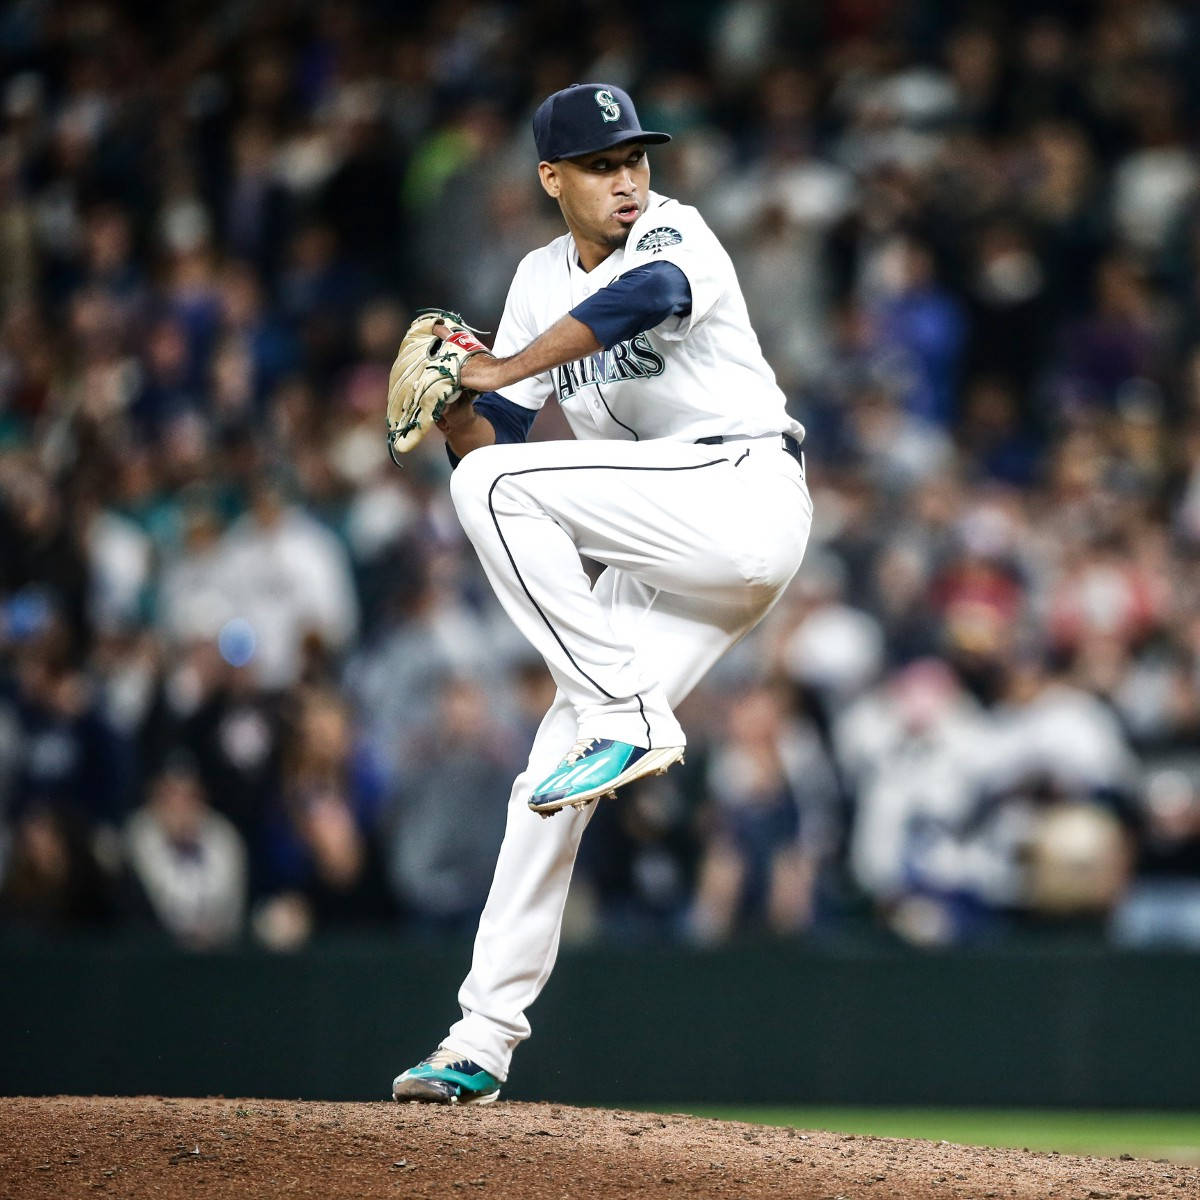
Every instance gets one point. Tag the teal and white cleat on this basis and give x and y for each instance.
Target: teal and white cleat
(596, 767)
(445, 1077)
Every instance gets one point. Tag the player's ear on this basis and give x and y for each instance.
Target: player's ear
(551, 180)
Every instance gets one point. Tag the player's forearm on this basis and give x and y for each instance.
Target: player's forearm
(480, 432)
(565, 341)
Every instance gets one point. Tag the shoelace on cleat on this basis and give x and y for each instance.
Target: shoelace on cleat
(449, 1059)
(577, 751)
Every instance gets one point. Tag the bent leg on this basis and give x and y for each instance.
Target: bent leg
(684, 518)
(680, 638)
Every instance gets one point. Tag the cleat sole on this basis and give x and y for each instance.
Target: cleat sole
(653, 762)
(426, 1091)
(431, 1091)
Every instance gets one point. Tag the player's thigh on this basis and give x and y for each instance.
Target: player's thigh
(677, 637)
(728, 535)
(683, 517)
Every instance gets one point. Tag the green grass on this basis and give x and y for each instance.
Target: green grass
(1143, 1134)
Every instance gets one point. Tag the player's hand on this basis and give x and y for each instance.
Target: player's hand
(474, 373)
(457, 416)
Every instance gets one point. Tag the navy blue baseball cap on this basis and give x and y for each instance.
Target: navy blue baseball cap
(587, 117)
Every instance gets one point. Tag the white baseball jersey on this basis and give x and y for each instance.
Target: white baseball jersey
(689, 377)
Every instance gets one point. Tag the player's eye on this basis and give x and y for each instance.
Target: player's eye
(601, 166)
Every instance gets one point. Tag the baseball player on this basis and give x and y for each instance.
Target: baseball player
(686, 482)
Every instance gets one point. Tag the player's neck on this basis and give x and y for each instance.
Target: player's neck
(590, 253)
(589, 259)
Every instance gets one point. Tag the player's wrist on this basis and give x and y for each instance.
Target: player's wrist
(479, 373)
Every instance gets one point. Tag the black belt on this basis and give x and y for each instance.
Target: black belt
(790, 445)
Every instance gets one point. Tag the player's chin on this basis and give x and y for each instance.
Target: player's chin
(617, 235)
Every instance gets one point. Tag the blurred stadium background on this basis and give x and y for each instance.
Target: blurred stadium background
(258, 710)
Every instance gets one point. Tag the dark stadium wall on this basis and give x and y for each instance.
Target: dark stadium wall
(768, 1023)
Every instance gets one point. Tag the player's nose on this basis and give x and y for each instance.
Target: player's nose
(623, 183)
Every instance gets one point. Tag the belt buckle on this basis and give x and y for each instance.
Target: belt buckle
(792, 447)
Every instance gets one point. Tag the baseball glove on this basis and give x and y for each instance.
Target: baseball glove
(425, 378)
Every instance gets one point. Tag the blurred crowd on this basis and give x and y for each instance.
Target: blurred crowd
(252, 682)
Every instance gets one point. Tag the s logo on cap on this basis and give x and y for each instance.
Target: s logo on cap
(610, 110)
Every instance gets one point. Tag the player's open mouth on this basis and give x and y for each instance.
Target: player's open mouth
(628, 213)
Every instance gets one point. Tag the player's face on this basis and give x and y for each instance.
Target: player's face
(601, 195)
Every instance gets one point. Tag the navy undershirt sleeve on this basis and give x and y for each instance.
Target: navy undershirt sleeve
(636, 301)
(511, 422)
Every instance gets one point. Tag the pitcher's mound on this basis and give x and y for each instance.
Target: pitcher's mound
(67, 1146)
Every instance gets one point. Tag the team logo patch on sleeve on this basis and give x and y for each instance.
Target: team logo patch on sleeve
(658, 239)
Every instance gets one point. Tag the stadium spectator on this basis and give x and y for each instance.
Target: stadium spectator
(188, 864)
(448, 815)
(912, 754)
(773, 800)
(319, 861)
(288, 579)
(53, 881)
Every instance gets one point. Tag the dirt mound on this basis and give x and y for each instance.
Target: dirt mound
(149, 1146)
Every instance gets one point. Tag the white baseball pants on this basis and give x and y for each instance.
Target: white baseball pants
(698, 541)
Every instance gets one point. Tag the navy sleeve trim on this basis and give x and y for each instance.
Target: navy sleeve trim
(636, 301)
(511, 421)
